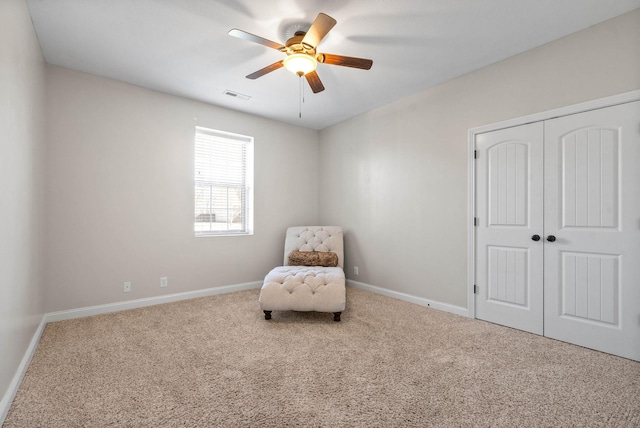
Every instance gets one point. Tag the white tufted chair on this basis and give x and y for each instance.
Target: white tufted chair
(307, 288)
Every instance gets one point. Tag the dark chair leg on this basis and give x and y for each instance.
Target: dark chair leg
(336, 316)
(267, 315)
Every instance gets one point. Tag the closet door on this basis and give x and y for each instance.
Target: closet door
(592, 229)
(509, 185)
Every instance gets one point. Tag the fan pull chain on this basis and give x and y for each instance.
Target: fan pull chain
(301, 100)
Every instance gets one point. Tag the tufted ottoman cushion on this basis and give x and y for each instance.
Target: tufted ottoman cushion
(307, 288)
(304, 288)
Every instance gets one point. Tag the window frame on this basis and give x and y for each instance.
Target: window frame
(211, 155)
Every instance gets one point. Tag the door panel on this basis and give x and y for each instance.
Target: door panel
(507, 275)
(590, 287)
(592, 207)
(508, 179)
(509, 207)
(589, 176)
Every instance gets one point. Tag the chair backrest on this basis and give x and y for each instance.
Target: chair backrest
(315, 238)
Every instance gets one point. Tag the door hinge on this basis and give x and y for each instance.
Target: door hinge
(475, 289)
(475, 154)
(475, 221)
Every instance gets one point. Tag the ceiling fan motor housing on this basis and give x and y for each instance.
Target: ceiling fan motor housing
(295, 46)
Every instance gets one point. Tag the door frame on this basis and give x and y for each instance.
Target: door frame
(610, 101)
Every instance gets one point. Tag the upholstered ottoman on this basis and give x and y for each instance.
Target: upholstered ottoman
(308, 288)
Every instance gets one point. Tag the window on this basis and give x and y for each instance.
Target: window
(223, 183)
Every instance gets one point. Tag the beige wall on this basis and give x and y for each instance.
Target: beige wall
(21, 147)
(399, 173)
(119, 193)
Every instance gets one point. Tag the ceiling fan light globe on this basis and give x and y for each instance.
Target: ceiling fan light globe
(300, 63)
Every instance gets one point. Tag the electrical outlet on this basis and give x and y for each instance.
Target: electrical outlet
(164, 281)
(127, 287)
(355, 270)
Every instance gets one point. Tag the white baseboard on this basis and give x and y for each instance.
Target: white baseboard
(149, 301)
(458, 310)
(12, 390)
(8, 397)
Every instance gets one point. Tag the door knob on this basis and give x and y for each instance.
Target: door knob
(551, 238)
(535, 237)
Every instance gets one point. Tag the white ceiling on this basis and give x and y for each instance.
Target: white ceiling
(182, 47)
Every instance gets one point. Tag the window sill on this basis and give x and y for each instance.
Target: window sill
(213, 235)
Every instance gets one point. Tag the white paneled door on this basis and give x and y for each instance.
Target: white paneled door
(509, 275)
(558, 234)
(592, 209)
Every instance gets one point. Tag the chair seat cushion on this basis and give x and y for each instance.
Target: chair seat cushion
(304, 288)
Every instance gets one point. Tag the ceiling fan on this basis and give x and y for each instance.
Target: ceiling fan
(301, 50)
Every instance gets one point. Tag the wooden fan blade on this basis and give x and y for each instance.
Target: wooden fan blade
(267, 69)
(256, 39)
(345, 61)
(314, 81)
(318, 30)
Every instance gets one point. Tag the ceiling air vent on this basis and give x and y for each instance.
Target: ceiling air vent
(236, 95)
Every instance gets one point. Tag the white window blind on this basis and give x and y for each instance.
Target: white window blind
(223, 183)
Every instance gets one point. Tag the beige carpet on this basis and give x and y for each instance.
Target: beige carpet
(215, 362)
